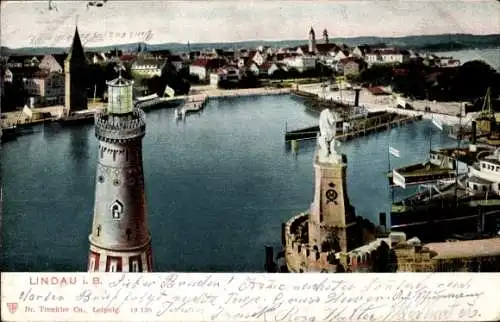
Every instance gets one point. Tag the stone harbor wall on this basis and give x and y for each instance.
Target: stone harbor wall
(299, 255)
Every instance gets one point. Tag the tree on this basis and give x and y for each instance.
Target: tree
(172, 78)
(156, 85)
(249, 80)
(293, 73)
(279, 74)
(472, 80)
(377, 75)
(15, 95)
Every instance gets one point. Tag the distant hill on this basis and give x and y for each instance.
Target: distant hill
(428, 42)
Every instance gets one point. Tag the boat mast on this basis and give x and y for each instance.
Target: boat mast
(459, 139)
(430, 140)
(430, 130)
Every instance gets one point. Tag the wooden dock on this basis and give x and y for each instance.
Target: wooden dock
(191, 105)
(374, 122)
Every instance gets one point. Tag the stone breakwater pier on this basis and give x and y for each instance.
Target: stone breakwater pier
(370, 123)
(446, 112)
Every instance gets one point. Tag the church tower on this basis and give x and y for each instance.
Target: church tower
(120, 240)
(75, 74)
(312, 41)
(325, 36)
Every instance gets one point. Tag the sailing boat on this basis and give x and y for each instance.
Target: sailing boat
(487, 121)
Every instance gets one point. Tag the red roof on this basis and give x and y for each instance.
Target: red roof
(265, 67)
(350, 59)
(127, 57)
(249, 63)
(202, 62)
(377, 90)
(400, 71)
(41, 74)
(175, 58)
(208, 63)
(324, 48)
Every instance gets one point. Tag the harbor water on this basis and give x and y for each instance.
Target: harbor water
(219, 185)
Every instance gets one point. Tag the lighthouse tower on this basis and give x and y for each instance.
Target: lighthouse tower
(120, 240)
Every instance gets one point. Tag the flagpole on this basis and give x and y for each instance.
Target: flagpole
(430, 140)
(391, 186)
(389, 156)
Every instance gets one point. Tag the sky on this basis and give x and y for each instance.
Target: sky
(31, 24)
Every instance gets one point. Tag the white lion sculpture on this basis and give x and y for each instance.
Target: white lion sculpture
(328, 129)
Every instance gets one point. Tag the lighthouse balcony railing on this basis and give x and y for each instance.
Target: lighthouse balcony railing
(121, 127)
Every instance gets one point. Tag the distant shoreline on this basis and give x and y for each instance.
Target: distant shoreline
(437, 43)
(439, 49)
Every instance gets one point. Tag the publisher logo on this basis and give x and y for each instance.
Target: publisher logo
(12, 307)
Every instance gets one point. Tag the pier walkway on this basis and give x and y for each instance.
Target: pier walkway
(192, 104)
(376, 122)
(443, 111)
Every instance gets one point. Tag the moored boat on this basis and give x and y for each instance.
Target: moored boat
(469, 205)
(77, 118)
(147, 98)
(9, 134)
(440, 165)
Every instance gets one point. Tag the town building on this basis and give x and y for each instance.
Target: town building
(302, 50)
(259, 58)
(8, 77)
(127, 59)
(323, 50)
(120, 240)
(76, 73)
(387, 56)
(45, 88)
(351, 66)
(301, 63)
(229, 74)
(99, 58)
(360, 51)
(23, 61)
(448, 62)
(276, 68)
(2, 80)
(53, 63)
(144, 67)
(201, 68)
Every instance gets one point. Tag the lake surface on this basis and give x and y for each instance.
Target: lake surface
(219, 185)
(491, 56)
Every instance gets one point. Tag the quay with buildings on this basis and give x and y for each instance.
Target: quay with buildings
(47, 80)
